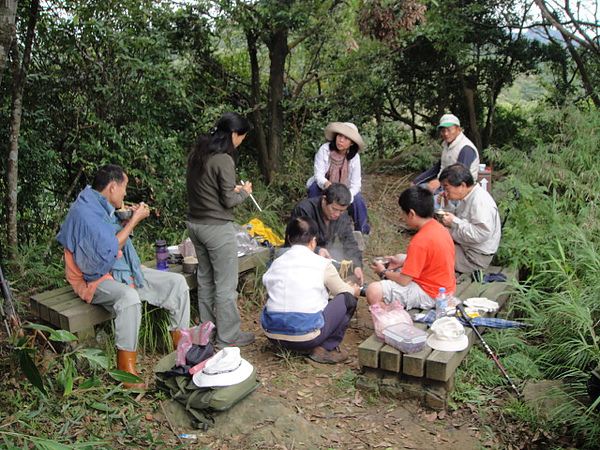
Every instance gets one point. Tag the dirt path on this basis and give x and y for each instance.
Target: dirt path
(305, 405)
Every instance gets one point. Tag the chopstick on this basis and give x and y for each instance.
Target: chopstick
(252, 197)
(127, 203)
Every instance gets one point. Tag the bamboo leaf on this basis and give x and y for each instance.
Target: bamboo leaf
(31, 371)
(94, 356)
(62, 336)
(125, 377)
(90, 383)
(54, 335)
(101, 406)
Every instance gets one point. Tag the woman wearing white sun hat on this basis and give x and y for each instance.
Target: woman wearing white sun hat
(338, 161)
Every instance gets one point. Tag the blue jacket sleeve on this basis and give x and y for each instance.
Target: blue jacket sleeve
(429, 174)
(466, 156)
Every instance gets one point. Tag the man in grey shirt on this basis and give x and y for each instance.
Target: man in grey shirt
(334, 226)
(474, 222)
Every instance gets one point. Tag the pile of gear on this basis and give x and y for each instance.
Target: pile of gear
(202, 381)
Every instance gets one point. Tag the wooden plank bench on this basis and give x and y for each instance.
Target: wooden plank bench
(63, 308)
(427, 374)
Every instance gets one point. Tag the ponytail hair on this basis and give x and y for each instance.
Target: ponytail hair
(217, 140)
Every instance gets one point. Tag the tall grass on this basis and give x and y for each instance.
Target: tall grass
(552, 234)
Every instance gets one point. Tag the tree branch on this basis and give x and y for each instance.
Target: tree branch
(551, 16)
(313, 30)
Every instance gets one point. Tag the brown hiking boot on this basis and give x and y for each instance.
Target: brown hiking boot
(324, 356)
(126, 362)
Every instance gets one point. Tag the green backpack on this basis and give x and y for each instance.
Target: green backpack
(200, 402)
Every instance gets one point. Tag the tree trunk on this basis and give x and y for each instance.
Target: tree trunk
(278, 51)
(489, 124)
(8, 13)
(585, 78)
(475, 134)
(12, 170)
(261, 138)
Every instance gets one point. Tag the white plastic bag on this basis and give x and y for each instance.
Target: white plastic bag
(246, 244)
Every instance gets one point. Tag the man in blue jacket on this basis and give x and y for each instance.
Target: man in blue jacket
(104, 269)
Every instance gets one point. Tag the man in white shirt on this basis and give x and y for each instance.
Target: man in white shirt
(474, 222)
(299, 313)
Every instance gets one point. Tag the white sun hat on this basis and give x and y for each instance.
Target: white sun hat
(448, 335)
(347, 129)
(226, 368)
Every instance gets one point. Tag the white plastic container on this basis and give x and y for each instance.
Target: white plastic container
(404, 337)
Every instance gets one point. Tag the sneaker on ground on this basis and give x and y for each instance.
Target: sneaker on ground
(324, 356)
(407, 231)
(242, 341)
(363, 290)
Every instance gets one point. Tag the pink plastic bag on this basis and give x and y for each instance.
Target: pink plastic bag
(199, 335)
(392, 314)
(186, 248)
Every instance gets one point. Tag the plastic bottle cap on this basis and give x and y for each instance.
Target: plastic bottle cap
(442, 289)
(159, 243)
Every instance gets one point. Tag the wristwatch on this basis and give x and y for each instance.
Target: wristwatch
(382, 274)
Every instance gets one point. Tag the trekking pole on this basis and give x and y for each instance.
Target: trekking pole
(10, 314)
(252, 197)
(464, 314)
(4, 318)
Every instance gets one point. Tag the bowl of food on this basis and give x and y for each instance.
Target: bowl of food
(124, 213)
(190, 264)
(382, 260)
(439, 215)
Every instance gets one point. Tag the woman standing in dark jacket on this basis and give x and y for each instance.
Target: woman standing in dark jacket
(212, 194)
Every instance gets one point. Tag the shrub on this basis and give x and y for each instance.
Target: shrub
(551, 233)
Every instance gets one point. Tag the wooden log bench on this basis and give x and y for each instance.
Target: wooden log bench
(63, 308)
(427, 375)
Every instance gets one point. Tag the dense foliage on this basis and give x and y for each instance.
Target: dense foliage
(551, 233)
(134, 82)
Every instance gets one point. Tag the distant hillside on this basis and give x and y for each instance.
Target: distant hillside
(541, 35)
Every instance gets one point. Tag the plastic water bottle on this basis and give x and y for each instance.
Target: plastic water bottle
(187, 436)
(441, 303)
(162, 255)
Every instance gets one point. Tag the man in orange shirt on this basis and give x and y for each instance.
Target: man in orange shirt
(104, 269)
(414, 278)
